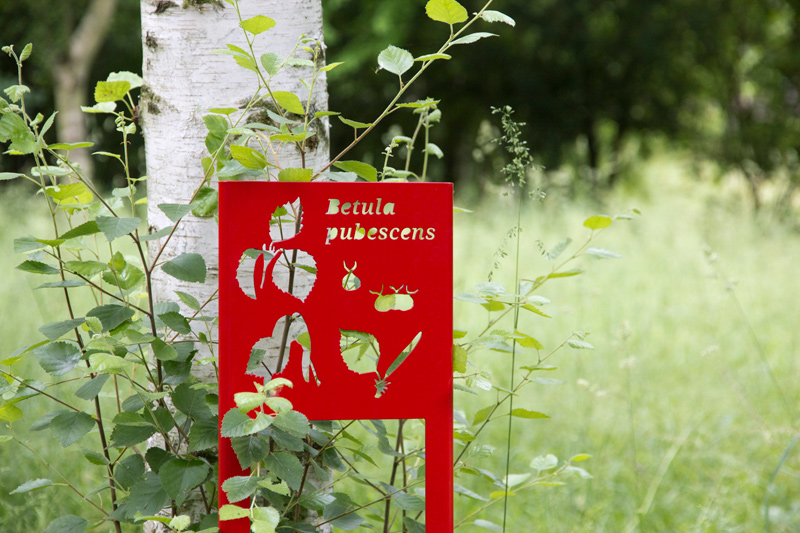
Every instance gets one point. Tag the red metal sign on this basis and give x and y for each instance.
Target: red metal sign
(372, 265)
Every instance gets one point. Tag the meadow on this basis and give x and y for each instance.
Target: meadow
(687, 405)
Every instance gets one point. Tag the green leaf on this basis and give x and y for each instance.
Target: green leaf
(233, 512)
(237, 424)
(113, 227)
(602, 254)
(433, 57)
(96, 458)
(10, 413)
(287, 467)
(187, 267)
(26, 244)
(355, 124)
(54, 330)
(87, 228)
(525, 413)
(44, 421)
(163, 351)
(472, 37)
(176, 322)
(124, 435)
(86, 269)
(129, 470)
(16, 92)
(395, 60)
(180, 522)
(271, 62)
(544, 462)
(363, 170)
(257, 24)
(238, 488)
(205, 202)
(190, 301)
(292, 422)
(434, 150)
(179, 476)
(250, 449)
(175, 212)
(331, 66)
(408, 502)
(447, 11)
(70, 426)
(148, 495)
(497, 16)
(111, 315)
(102, 107)
(295, 174)
(203, 434)
(32, 485)
(111, 91)
(527, 341)
(459, 359)
(579, 458)
(485, 524)
(597, 222)
(579, 345)
(90, 389)
(58, 358)
(68, 524)
(9, 175)
(191, 402)
(247, 401)
(37, 267)
(26, 52)
(482, 415)
(248, 157)
(289, 101)
(62, 284)
(70, 146)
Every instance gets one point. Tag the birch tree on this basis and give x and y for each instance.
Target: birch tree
(183, 79)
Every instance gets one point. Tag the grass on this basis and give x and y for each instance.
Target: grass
(676, 405)
(678, 410)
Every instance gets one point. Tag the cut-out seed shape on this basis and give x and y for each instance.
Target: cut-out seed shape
(361, 352)
(350, 281)
(399, 301)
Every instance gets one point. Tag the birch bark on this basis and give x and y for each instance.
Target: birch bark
(183, 78)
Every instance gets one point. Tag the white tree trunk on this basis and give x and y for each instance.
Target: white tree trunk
(183, 79)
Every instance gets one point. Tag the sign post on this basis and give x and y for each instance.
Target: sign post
(376, 262)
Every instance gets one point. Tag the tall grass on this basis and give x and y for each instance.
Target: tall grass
(678, 410)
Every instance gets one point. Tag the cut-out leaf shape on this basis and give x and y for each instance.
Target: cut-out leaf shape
(292, 269)
(361, 352)
(266, 351)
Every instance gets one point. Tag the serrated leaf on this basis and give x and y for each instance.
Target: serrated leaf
(363, 170)
(37, 267)
(579, 345)
(179, 476)
(289, 101)
(25, 54)
(133, 79)
(525, 413)
(237, 488)
(111, 91)
(187, 267)
(70, 426)
(32, 485)
(87, 228)
(271, 62)
(602, 254)
(58, 358)
(485, 524)
(148, 495)
(433, 57)
(497, 16)
(331, 66)
(205, 202)
(96, 458)
(70, 146)
(395, 60)
(295, 174)
(544, 462)
(287, 467)
(111, 315)
(597, 222)
(250, 449)
(191, 402)
(68, 524)
(113, 227)
(54, 330)
(203, 434)
(102, 107)
(472, 37)
(176, 322)
(354, 123)
(408, 502)
(257, 24)
(175, 212)
(447, 11)
(237, 424)
(248, 157)
(90, 389)
(233, 512)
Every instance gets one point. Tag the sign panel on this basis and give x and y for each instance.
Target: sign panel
(345, 289)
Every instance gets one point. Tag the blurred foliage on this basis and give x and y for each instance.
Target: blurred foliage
(596, 81)
(48, 24)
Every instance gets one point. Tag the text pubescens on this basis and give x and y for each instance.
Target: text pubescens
(358, 232)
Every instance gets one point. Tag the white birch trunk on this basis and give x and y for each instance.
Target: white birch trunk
(183, 79)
